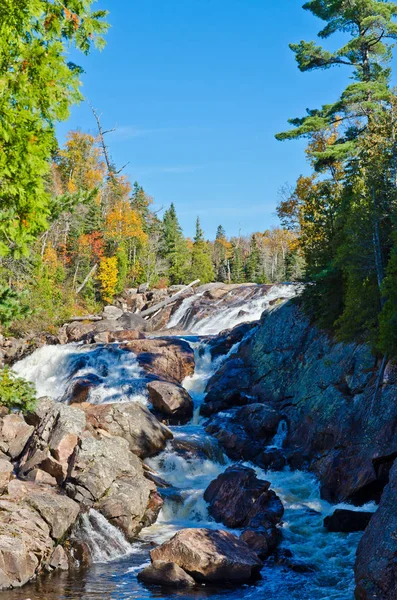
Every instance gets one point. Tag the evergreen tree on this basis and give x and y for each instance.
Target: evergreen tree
(252, 266)
(237, 270)
(221, 255)
(201, 267)
(174, 248)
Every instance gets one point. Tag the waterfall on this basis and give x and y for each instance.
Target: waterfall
(248, 305)
(104, 541)
(116, 372)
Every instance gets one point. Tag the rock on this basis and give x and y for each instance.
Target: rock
(171, 400)
(79, 389)
(237, 498)
(102, 338)
(170, 359)
(167, 574)
(259, 421)
(143, 288)
(229, 387)
(126, 335)
(132, 321)
(112, 313)
(59, 512)
(225, 341)
(40, 476)
(132, 421)
(210, 556)
(347, 521)
(105, 474)
(375, 568)
(79, 553)
(256, 541)
(6, 470)
(57, 432)
(25, 543)
(59, 560)
(14, 434)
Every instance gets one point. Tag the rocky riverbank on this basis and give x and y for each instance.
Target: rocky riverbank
(340, 412)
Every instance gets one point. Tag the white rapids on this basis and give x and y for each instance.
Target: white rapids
(329, 557)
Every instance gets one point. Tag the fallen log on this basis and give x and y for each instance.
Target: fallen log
(156, 307)
(84, 318)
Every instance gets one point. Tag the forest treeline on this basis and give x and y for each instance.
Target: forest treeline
(345, 211)
(74, 231)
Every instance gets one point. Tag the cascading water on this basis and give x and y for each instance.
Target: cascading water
(189, 463)
(104, 541)
(231, 310)
(54, 369)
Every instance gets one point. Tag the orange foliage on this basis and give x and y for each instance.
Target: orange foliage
(91, 244)
(123, 223)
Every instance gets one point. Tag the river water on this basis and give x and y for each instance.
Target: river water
(324, 561)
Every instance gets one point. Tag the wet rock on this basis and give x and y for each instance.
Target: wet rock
(229, 387)
(171, 400)
(347, 521)
(375, 568)
(132, 421)
(237, 498)
(259, 421)
(225, 341)
(59, 560)
(80, 388)
(167, 574)
(170, 359)
(79, 554)
(209, 555)
(256, 541)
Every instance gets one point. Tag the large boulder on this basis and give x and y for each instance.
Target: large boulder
(237, 498)
(58, 511)
(6, 470)
(166, 573)
(105, 474)
(347, 521)
(58, 429)
(376, 567)
(210, 556)
(244, 434)
(171, 400)
(229, 387)
(170, 359)
(132, 421)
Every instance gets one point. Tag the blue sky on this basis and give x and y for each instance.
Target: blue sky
(197, 89)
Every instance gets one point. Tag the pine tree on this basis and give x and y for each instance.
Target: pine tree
(201, 267)
(237, 271)
(174, 248)
(252, 263)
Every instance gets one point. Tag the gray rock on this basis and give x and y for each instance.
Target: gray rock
(112, 313)
(59, 512)
(167, 574)
(170, 399)
(132, 421)
(209, 555)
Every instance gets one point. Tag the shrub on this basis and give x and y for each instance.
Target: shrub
(16, 392)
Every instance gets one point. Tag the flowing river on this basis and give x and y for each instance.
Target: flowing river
(326, 559)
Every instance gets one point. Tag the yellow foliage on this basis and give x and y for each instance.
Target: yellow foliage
(50, 258)
(81, 163)
(108, 274)
(123, 223)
